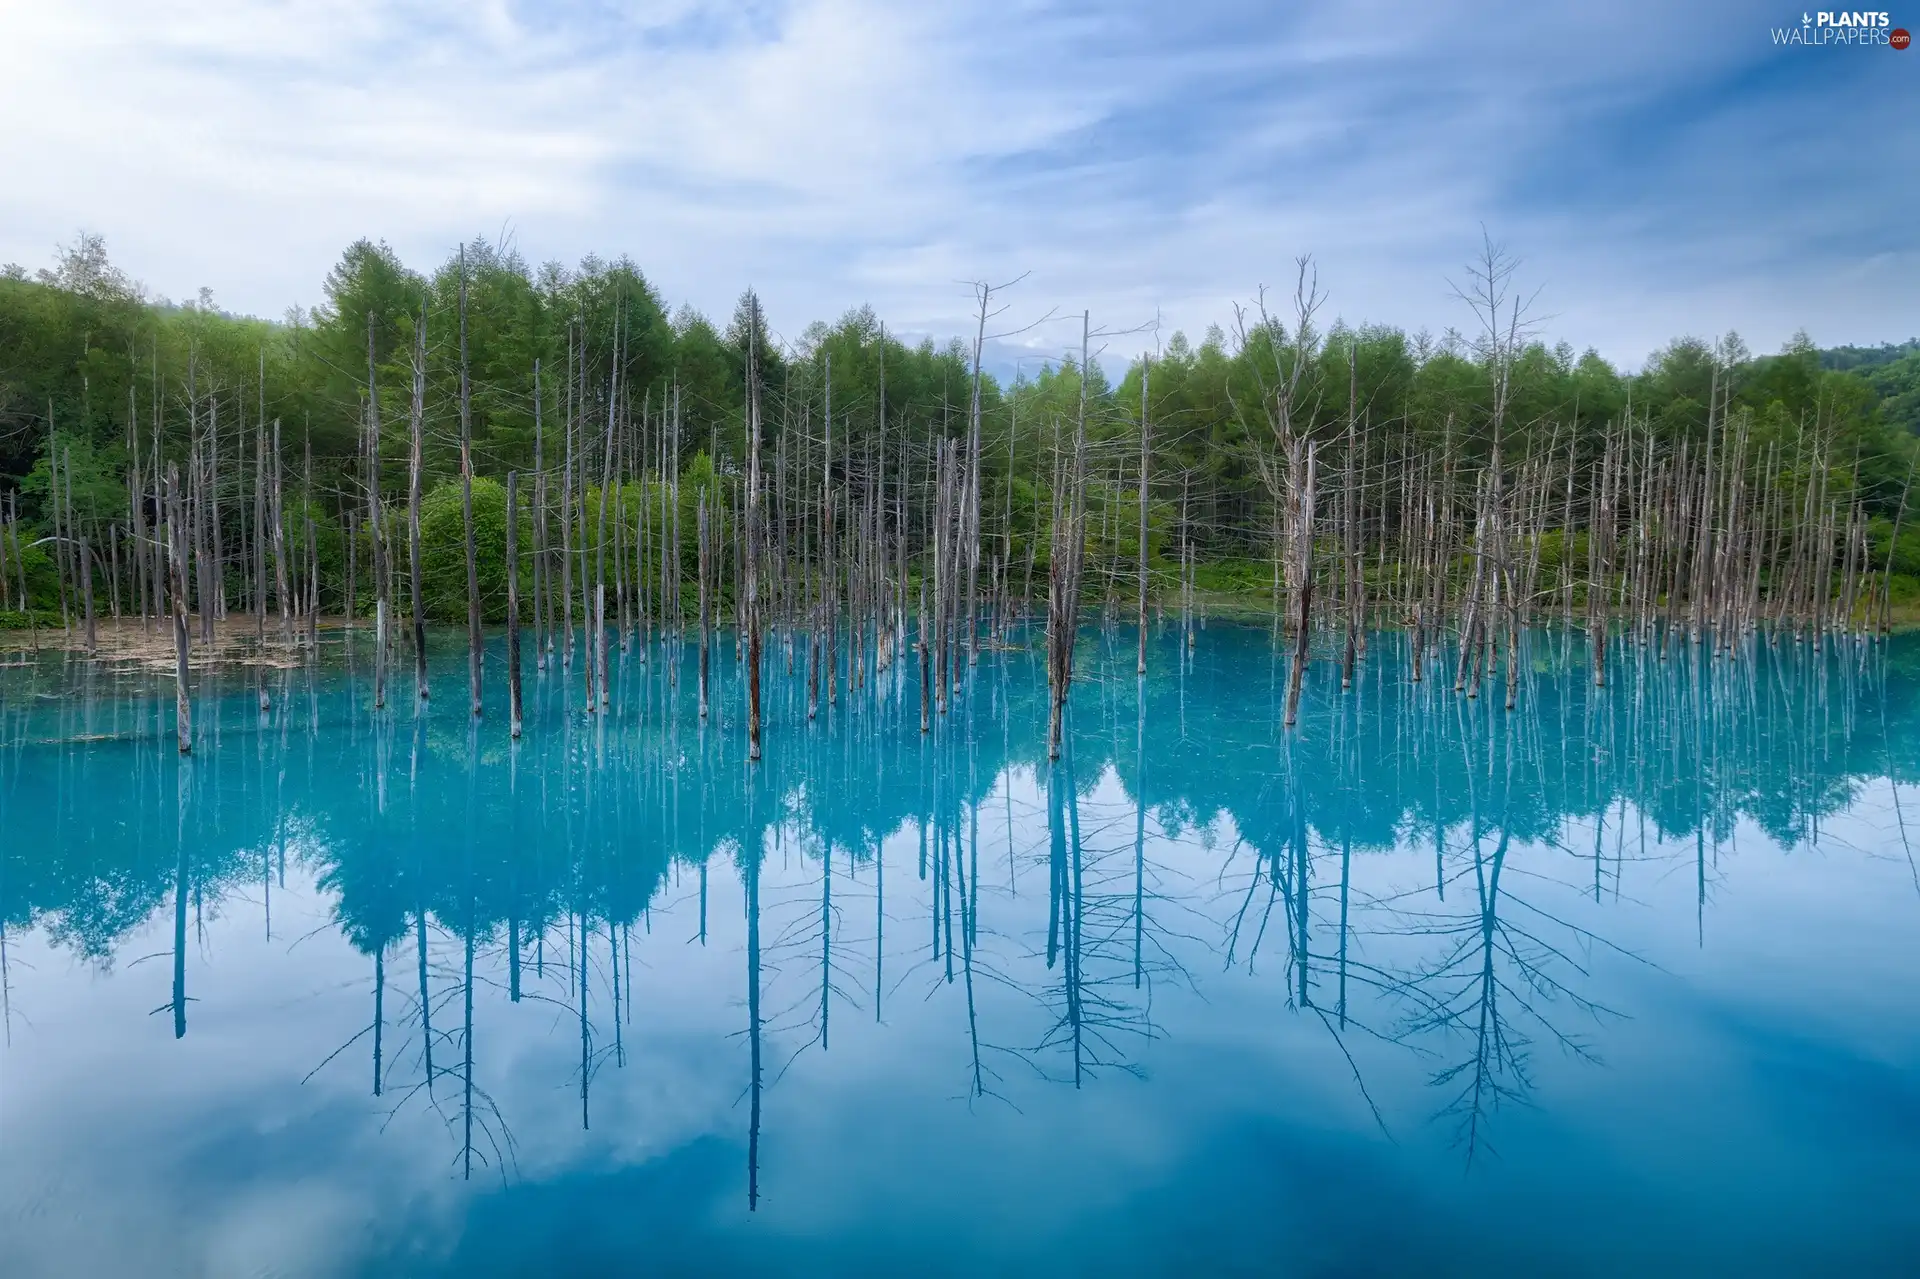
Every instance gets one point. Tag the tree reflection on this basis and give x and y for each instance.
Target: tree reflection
(1408, 867)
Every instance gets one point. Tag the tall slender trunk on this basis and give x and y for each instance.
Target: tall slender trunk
(136, 509)
(177, 555)
(542, 588)
(417, 431)
(607, 478)
(86, 592)
(1303, 561)
(313, 558)
(752, 534)
(1146, 369)
(280, 574)
(706, 605)
(513, 600)
(466, 500)
(971, 516)
(566, 518)
(382, 606)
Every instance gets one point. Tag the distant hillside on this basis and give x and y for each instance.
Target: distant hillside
(1892, 370)
(1848, 358)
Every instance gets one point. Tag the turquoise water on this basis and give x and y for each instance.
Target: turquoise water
(1621, 982)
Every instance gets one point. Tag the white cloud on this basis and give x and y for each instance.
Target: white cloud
(1656, 169)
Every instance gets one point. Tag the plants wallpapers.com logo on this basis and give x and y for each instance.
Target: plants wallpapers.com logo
(1844, 29)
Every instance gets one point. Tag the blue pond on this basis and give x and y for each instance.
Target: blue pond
(1623, 981)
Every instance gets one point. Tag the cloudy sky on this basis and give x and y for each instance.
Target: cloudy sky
(1661, 169)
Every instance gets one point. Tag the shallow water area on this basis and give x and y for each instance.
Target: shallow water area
(1621, 981)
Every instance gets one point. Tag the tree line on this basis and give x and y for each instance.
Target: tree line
(361, 459)
(82, 349)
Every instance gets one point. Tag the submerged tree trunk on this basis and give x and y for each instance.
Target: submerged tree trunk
(1146, 368)
(1063, 572)
(466, 500)
(417, 426)
(513, 601)
(706, 602)
(382, 608)
(1303, 552)
(752, 535)
(542, 586)
(177, 557)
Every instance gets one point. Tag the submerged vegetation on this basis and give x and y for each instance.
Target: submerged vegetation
(375, 459)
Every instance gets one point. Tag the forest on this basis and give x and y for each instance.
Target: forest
(1285, 461)
(1686, 569)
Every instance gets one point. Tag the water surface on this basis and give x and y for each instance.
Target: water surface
(1623, 981)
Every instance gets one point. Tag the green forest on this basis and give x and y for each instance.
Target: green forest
(92, 370)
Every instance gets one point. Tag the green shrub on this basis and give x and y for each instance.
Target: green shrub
(13, 619)
(43, 577)
(443, 552)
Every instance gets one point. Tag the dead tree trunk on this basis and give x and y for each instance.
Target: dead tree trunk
(1146, 370)
(417, 427)
(607, 479)
(177, 557)
(280, 574)
(86, 593)
(542, 587)
(1063, 596)
(313, 559)
(751, 568)
(1303, 568)
(466, 500)
(382, 609)
(706, 601)
(566, 518)
(513, 601)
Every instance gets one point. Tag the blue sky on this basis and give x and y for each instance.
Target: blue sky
(1660, 169)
